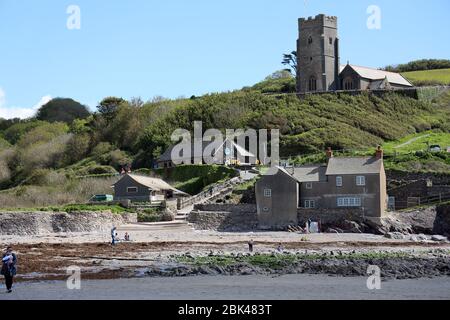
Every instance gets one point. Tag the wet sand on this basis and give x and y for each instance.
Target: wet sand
(289, 287)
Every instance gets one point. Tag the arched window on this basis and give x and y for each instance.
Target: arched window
(312, 84)
(310, 40)
(348, 83)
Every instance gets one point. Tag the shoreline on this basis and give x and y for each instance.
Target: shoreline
(235, 288)
(134, 260)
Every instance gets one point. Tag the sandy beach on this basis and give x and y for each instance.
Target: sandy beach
(287, 287)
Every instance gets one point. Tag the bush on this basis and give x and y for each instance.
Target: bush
(149, 215)
(62, 110)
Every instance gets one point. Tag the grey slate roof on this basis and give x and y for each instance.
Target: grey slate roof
(155, 184)
(167, 155)
(354, 165)
(375, 74)
(310, 173)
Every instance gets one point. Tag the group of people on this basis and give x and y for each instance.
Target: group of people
(9, 268)
(115, 236)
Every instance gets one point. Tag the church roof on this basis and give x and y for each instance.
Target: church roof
(375, 74)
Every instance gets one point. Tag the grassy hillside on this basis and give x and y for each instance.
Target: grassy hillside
(429, 77)
(41, 163)
(418, 142)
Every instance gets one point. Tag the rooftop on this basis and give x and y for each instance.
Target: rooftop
(154, 183)
(354, 165)
(375, 74)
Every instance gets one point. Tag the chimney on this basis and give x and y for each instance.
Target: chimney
(379, 153)
(329, 153)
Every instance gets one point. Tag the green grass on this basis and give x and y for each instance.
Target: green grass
(438, 76)
(72, 208)
(419, 142)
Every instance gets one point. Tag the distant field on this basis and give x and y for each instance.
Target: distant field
(419, 141)
(438, 76)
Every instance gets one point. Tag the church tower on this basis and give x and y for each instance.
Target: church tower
(318, 54)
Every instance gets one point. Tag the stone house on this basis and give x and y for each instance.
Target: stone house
(139, 188)
(228, 149)
(356, 184)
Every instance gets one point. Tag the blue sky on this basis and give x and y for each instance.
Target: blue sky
(175, 48)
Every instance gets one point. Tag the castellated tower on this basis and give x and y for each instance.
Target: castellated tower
(318, 54)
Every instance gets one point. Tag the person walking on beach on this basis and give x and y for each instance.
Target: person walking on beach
(250, 245)
(280, 247)
(113, 235)
(9, 270)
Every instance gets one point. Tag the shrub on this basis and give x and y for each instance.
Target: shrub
(63, 110)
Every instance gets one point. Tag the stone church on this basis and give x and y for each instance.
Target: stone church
(319, 66)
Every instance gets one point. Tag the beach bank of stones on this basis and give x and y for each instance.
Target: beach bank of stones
(41, 223)
(436, 263)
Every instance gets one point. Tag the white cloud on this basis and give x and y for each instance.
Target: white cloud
(18, 112)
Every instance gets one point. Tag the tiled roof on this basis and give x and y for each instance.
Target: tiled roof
(310, 173)
(354, 165)
(154, 183)
(167, 155)
(375, 74)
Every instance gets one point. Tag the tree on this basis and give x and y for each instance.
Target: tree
(108, 107)
(290, 60)
(62, 110)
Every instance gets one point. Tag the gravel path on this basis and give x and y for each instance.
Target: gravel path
(290, 287)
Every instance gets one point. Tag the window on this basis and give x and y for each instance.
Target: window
(310, 40)
(349, 202)
(360, 181)
(312, 84)
(348, 83)
(265, 209)
(308, 185)
(132, 190)
(338, 181)
(331, 40)
(309, 204)
(267, 193)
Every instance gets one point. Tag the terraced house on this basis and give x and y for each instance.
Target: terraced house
(344, 184)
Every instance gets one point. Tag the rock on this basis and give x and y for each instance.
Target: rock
(422, 237)
(438, 238)
(351, 226)
(395, 235)
(442, 222)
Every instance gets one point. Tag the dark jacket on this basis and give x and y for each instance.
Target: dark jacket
(9, 268)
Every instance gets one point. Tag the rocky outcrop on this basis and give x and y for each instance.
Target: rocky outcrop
(38, 223)
(442, 221)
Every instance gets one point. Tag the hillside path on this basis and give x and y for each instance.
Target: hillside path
(411, 141)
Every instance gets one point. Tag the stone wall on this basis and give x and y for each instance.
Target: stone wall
(407, 177)
(214, 190)
(330, 216)
(224, 217)
(442, 222)
(39, 223)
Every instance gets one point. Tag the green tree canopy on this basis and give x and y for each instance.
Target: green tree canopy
(62, 110)
(108, 107)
